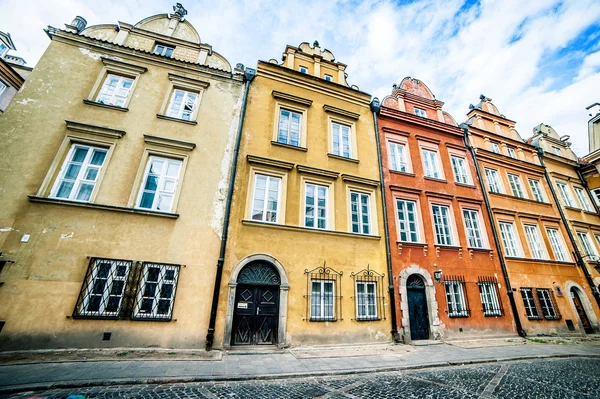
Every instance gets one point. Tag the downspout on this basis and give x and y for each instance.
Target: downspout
(587, 188)
(249, 75)
(509, 291)
(579, 258)
(375, 107)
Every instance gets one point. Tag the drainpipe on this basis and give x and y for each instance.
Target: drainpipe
(249, 75)
(509, 291)
(375, 107)
(587, 188)
(579, 258)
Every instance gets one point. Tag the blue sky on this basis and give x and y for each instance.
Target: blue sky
(539, 61)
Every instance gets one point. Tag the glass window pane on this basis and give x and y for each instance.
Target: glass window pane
(85, 191)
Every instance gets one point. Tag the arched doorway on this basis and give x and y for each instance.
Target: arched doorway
(585, 321)
(417, 307)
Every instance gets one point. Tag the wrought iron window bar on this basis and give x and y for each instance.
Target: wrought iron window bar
(320, 305)
(464, 298)
(367, 277)
(493, 308)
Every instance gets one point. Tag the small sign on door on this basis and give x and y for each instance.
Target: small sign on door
(242, 305)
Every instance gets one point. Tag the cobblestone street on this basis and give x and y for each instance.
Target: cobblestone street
(544, 378)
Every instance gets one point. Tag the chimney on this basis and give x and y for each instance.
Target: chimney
(77, 25)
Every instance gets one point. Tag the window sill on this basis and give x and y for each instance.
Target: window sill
(465, 185)
(435, 179)
(33, 198)
(321, 320)
(477, 249)
(97, 104)
(493, 315)
(255, 223)
(291, 147)
(412, 244)
(170, 118)
(330, 155)
(591, 213)
(397, 172)
(572, 208)
(368, 319)
(440, 246)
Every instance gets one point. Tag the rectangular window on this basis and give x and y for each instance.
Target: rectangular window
(420, 112)
(529, 303)
(407, 220)
(546, 304)
(565, 193)
(303, 69)
(366, 300)
(460, 170)
(398, 157)
(556, 151)
(430, 163)
(473, 228)
(455, 298)
(536, 245)
(511, 152)
(79, 173)
(584, 200)
(493, 180)
(265, 203)
(587, 245)
(495, 148)
(322, 300)
(159, 184)
(509, 239)
(488, 291)
(315, 211)
(536, 190)
(289, 127)
(328, 78)
(557, 244)
(341, 140)
(115, 90)
(182, 104)
(515, 185)
(156, 292)
(441, 222)
(3, 50)
(596, 195)
(3, 87)
(162, 49)
(360, 207)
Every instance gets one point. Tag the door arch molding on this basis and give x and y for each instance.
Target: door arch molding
(432, 305)
(585, 302)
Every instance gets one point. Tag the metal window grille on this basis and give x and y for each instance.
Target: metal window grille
(156, 287)
(531, 309)
(369, 296)
(456, 298)
(547, 303)
(490, 298)
(323, 294)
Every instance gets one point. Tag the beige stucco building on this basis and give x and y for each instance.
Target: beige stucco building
(114, 172)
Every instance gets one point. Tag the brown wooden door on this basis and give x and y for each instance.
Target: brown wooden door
(255, 315)
(587, 326)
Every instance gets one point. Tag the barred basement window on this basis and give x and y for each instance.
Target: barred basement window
(369, 297)
(458, 305)
(530, 306)
(548, 304)
(323, 294)
(156, 291)
(490, 300)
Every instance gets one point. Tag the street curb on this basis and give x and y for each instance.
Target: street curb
(264, 377)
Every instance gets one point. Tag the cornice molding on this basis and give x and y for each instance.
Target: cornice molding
(169, 143)
(94, 130)
(288, 97)
(342, 112)
(360, 180)
(437, 194)
(469, 200)
(275, 163)
(387, 129)
(318, 172)
(196, 83)
(405, 189)
(428, 139)
(123, 66)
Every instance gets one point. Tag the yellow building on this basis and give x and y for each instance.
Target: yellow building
(115, 162)
(306, 255)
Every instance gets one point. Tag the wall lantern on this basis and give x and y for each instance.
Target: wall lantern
(437, 276)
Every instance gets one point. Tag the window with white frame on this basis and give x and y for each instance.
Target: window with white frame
(398, 157)
(536, 245)
(557, 244)
(328, 78)
(360, 212)
(341, 140)
(407, 220)
(159, 185)
(495, 148)
(597, 237)
(586, 244)
(115, 90)
(104, 287)
(488, 292)
(431, 164)
(3, 50)
(546, 304)
(493, 180)
(366, 300)
(315, 208)
(420, 112)
(536, 190)
(322, 300)
(556, 151)
(596, 195)
(460, 170)
(79, 173)
(303, 69)
(441, 223)
(455, 298)
(290, 123)
(182, 104)
(473, 226)
(157, 291)
(162, 49)
(3, 87)
(565, 194)
(515, 185)
(509, 239)
(265, 201)
(584, 200)
(511, 152)
(529, 303)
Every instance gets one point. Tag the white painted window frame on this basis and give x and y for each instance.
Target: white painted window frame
(265, 208)
(536, 244)
(321, 298)
(366, 300)
(442, 225)
(121, 81)
(510, 239)
(316, 218)
(404, 226)
(557, 244)
(162, 180)
(473, 227)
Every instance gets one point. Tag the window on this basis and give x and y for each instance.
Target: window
(584, 200)
(430, 163)
(557, 245)
(360, 208)
(265, 204)
(473, 228)
(328, 78)
(159, 184)
(366, 300)
(493, 180)
(315, 211)
(511, 152)
(529, 303)
(78, 176)
(495, 148)
(546, 304)
(303, 69)
(3, 50)
(341, 140)
(3, 88)
(488, 292)
(460, 170)
(596, 193)
(441, 223)
(515, 185)
(162, 49)
(115, 90)
(565, 193)
(182, 104)
(157, 291)
(398, 157)
(289, 127)
(587, 246)
(536, 190)
(322, 300)
(556, 151)
(511, 245)
(407, 220)
(536, 245)
(455, 297)
(420, 112)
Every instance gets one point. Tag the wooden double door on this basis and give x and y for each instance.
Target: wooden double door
(255, 315)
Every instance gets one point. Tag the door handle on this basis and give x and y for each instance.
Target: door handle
(257, 309)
